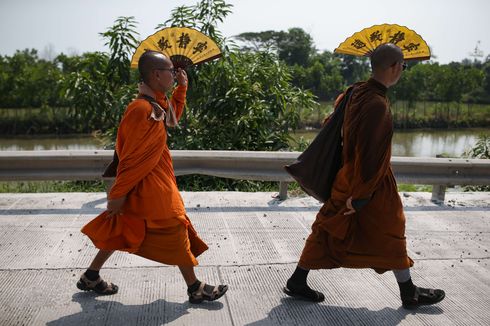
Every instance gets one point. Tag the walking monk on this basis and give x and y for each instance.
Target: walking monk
(362, 225)
(145, 213)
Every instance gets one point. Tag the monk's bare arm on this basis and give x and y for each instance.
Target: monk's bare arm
(179, 93)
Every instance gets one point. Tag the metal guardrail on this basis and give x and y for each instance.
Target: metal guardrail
(263, 166)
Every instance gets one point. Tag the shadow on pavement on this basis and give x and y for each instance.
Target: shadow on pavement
(102, 312)
(297, 312)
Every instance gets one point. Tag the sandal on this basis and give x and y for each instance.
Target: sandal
(200, 294)
(303, 292)
(423, 297)
(99, 286)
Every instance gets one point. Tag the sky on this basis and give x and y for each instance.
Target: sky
(451, 27)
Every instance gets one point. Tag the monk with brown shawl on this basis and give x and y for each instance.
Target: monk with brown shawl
(362, 225)
(145, 213)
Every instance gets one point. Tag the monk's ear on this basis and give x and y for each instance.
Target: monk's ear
(156, 74)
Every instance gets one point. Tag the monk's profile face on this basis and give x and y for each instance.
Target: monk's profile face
(396, 71)
(157, 71)
(164, 75)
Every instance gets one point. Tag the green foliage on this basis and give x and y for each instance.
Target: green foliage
(121, 39)
(481, 150)
(294, 47)
(403, 187)
(203, 16)
(242, 102)
(90, 91)
(208, 183)
(102, 85)
(27, 81)
(51, 186)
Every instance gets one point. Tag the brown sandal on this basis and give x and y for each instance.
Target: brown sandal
(99, 286)
(200, 294)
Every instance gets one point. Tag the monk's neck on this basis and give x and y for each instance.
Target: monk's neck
(145, 89)
(378, 86)
(383, 81)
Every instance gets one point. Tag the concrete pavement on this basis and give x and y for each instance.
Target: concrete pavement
(255, 241)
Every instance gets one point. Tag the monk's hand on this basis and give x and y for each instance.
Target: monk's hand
(114, 206)
(349, 206)
(181, 77)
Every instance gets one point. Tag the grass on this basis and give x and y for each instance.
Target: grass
(294, 190)
(52, 186)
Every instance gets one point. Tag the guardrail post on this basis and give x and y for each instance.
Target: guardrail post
(283, 190)
(438, 193)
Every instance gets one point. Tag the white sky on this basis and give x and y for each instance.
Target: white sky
(451, 27)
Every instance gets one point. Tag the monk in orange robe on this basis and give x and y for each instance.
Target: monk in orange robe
(362, 225)
(145, 213)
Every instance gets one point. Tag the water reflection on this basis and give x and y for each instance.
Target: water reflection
(431, 143)
(422, 143)
(50, 143)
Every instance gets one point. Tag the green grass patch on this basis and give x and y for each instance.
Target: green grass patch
(404, 187)
(52, 186)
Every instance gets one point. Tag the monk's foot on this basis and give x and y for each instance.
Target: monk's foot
(303, 291)
(200, 291)
(99, 286)
(423, 297)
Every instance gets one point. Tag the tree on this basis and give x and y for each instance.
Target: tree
(244, 100)
(354, 69)
(98, 86)
(294, 47)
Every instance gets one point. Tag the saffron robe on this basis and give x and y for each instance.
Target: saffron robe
(153, 222)
(374, 236)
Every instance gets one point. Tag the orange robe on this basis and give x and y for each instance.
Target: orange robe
(153, 223)
(374, 236)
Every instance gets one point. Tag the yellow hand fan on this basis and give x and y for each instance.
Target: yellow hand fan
(363, 43)
(184, 46)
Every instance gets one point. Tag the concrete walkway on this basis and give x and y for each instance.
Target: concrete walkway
(254, 242)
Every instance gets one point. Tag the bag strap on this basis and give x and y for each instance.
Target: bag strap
(154, 104)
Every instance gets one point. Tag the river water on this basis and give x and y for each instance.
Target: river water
(420, 143)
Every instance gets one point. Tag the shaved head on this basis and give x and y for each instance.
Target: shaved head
(384, 56)
(151, 60)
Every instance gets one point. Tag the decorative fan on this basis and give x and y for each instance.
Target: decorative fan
(364, 42)
(184, 46)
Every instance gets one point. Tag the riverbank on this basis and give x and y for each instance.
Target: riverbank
(417, 115)
(406, 116)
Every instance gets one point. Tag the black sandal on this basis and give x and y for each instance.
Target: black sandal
(303, 292)
(99, 286)
(423, 297)
(200, 294)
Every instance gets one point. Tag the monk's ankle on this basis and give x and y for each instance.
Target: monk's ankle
(91, 274)
(194, 286)
(407, 289)
(299, 276)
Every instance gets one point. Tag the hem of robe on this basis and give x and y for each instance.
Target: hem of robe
(324, 250)
(126, 233)
(379, 264)
(173, 245)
